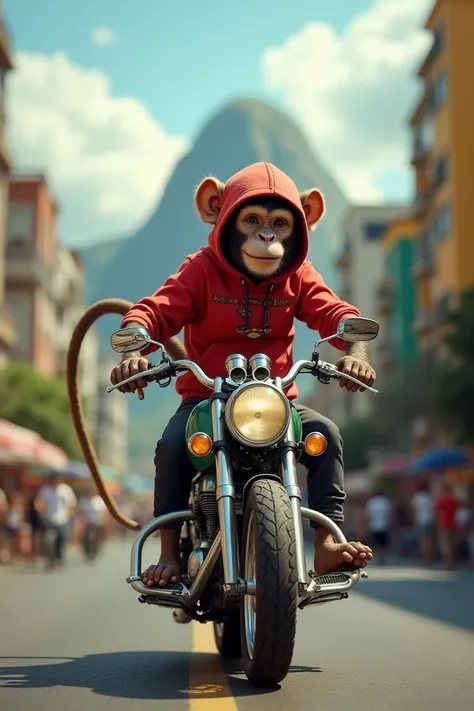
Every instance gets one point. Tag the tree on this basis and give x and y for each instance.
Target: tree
(39, 403)
(455, 389)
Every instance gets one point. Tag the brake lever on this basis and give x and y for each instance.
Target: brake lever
(331, 371)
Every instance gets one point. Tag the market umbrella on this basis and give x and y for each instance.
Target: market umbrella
(439, 458)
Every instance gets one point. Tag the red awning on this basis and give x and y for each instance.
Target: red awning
(19, 445)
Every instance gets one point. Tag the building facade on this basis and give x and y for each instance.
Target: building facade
(443, 156)
(360, 266)
(111, 425)
(30, 261)
(396, 302)
(69, 297)
(8, 335)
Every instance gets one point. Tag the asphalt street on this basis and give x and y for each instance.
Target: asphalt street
(78, 639)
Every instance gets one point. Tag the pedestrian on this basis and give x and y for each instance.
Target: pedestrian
(446, 507)
(379, 515)
(34, 520)
(14, 521)
(94, 512)
(425, 521)
(56, 505)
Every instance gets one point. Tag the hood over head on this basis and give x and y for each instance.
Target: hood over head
(259, 180)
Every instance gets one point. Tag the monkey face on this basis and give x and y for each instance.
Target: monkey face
(265, 229)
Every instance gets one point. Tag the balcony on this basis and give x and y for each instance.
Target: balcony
(385, 295)
(25, 267)
(425, 322)
(424, 263)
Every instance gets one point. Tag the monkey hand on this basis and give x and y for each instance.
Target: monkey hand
(128, 367)
(357, 368)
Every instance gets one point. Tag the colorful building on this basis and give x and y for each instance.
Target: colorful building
(397, 301)
(8, 334)
(443, 159)
(30, 261)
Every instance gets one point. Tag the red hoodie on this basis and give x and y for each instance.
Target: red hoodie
(223, 312)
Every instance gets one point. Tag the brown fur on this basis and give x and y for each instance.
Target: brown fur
(174, 348)
(263, 236)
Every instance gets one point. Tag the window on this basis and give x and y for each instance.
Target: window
(442, 224)
(375, 230)
(437, 93)
(439, 171)
(424, 136)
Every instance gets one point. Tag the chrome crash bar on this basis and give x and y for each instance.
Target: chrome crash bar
(321, 588)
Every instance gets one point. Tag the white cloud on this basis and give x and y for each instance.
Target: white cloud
(353, 92)
(103, 36)
(107, 159)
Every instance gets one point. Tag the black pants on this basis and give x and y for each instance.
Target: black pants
(174, 472)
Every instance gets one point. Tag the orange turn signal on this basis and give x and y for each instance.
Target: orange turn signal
(315, 444)
(200, 444)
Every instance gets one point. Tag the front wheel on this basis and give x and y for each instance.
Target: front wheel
(268, 619)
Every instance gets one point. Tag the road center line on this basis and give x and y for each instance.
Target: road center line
(209, 688)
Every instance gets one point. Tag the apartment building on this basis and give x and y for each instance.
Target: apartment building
(30, 261)
(8, 335)
(69, 299)
(396, 301)
(111, 425)
(443, 156)
(360, 267)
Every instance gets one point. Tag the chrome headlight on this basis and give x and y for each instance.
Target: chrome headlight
(257, 414)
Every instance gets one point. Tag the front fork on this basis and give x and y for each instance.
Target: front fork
(225, 494)
(226, 504)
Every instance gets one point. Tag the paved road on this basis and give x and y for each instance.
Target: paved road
(78, 639)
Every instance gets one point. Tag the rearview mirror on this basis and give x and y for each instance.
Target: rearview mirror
(128, 340)
(358, 329)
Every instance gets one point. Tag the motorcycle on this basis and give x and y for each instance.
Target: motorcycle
(242, 542)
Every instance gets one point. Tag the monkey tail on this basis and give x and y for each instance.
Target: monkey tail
(175, 349)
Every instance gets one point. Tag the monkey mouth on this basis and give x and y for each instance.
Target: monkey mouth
(265, 259)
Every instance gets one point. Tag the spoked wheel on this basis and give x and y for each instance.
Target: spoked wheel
(268, 619)
(227, 636)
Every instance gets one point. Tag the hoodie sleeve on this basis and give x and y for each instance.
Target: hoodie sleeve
(170, 308)
(320, 308)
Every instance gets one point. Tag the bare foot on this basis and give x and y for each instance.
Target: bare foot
(332, 556)
(167, 570)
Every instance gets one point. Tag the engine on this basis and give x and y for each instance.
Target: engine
(206, 521)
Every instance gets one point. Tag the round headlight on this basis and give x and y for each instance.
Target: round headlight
(257, 415)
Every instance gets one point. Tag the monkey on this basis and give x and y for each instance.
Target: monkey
(262, 237)
(251, 282)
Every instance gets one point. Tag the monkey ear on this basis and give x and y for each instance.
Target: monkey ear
(208, 199)
(313, 206)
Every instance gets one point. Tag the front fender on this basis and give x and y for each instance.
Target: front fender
(249, 483)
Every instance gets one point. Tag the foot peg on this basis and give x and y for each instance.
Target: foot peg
(330, 586)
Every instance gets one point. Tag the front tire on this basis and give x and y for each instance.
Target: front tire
(268, 619)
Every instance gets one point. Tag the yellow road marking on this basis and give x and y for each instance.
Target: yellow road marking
(209, 688)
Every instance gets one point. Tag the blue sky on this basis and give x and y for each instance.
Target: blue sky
(183, 58)
(107, 121)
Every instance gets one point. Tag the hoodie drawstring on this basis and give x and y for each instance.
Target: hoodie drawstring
(247, 313)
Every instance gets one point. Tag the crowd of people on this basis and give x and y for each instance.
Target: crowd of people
(443, 526)
(52, 513)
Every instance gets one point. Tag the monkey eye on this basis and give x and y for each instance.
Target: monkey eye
(280, 222)
(252, 220)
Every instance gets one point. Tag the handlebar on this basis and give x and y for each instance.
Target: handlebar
(168, 370)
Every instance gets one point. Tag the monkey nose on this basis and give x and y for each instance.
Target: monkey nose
(266, 236)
